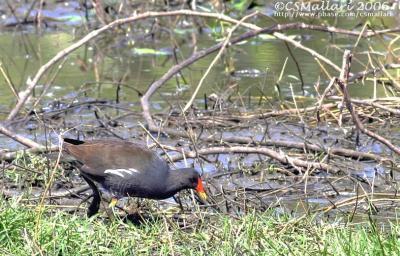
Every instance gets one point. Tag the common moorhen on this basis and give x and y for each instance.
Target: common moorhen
(129, 169)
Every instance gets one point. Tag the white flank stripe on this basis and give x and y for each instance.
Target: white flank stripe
(120, 172)
(114, 171)
(133, 170)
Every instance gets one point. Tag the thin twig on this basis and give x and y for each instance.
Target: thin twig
(281, 157)
(221, 50)
(18, 138)
(346, 97)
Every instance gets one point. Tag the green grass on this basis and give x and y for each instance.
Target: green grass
(60, 233)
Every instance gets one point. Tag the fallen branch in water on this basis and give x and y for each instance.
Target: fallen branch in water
(18, 138)
(281, 157)
(305, 146)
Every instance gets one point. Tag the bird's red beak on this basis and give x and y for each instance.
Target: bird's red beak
(200, 190)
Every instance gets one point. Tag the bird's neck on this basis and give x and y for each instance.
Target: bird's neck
(175, 182)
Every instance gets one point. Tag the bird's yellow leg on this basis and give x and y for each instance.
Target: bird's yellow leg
(113, 202)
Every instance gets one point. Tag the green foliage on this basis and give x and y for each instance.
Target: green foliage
(29, 170)
(254, 234)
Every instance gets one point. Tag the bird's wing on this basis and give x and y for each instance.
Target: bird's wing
(124, 159)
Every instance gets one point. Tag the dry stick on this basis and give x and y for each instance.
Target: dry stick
(362, 74)
(100, 116)
(343, 86)
(392, 79)
(309, 50)
(8, 81)
(13, 12)
(243, 140)
(28, 12)
(351, 200)
(8, 156)
(221, 50)
(285, 112)
(39, 14)
(358, 76)
(359, 37)
(344, 76)
(46, 87)
(249, 141)
(287, 144)
(326, 91)
(295, 106)
(156, 142)
(330, 29)
(373, 103)
(277, 83)
(193, 139)
(297, 66)
(281, 157)
(47, 188)
(66, 192)
(18, 138)
(371, 62)
(59, 194)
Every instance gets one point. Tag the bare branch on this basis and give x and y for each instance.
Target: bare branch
(281, 157)
(342, 82)
(18, 138)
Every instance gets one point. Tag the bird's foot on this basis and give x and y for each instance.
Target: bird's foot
(113, 202)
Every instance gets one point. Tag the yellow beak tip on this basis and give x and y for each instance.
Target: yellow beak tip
(203, 196)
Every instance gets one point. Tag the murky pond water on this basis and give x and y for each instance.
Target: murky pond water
(137, 59)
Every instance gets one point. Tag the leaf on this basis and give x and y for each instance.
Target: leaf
(240, 5)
